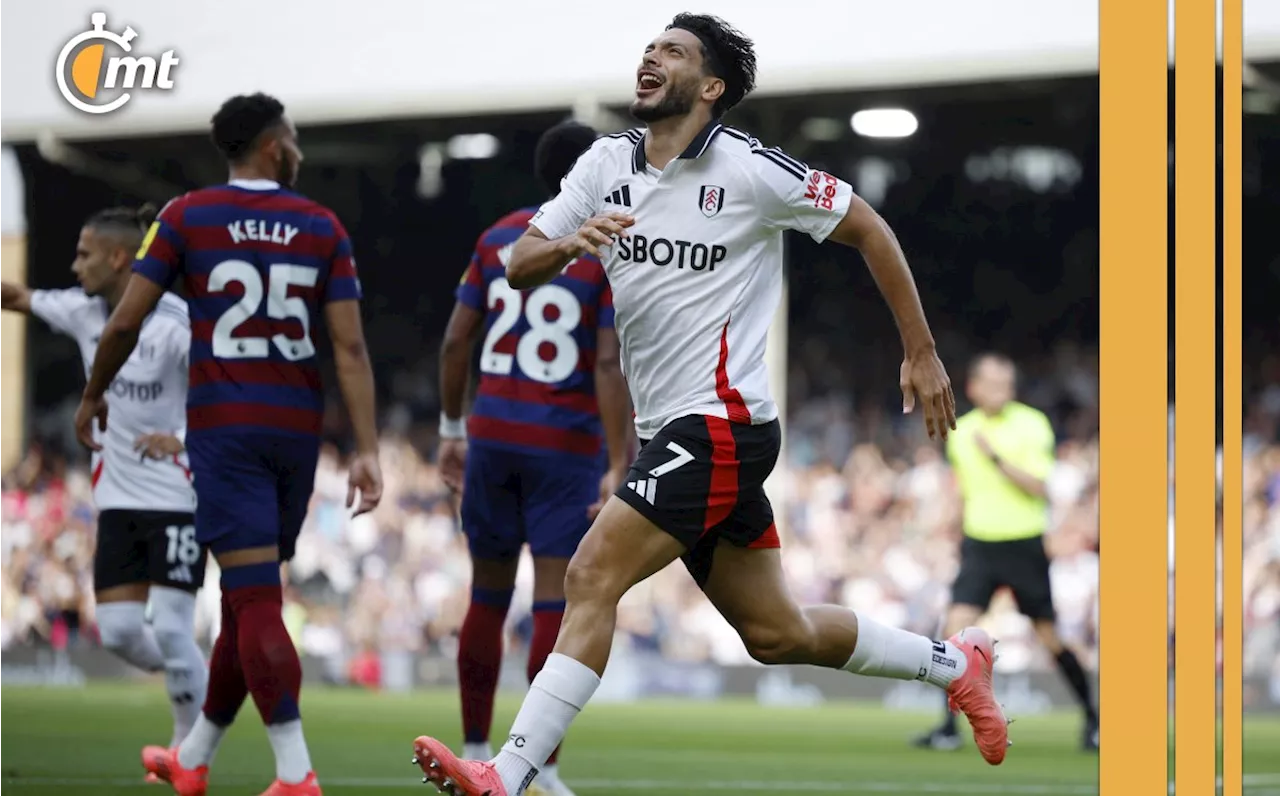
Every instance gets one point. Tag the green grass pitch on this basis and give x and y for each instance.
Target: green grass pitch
(61, 741)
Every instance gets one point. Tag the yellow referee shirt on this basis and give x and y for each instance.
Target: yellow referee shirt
(995, 509)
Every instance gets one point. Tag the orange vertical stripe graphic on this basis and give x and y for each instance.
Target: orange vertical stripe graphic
(1232, 401)
(86, 70)
(1195, 319)
(1134, 379)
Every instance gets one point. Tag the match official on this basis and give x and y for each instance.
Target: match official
(1002, 452)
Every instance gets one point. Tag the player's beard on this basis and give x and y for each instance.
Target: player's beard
(677, 100)
(286, 172)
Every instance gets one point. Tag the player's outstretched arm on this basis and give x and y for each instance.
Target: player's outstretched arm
(119, 337)
(864, 229)
(455, 374)
(15, 298)
(922, 372)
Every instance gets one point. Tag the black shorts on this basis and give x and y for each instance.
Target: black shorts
(1022, 565)
(148, 547)
(701, 479)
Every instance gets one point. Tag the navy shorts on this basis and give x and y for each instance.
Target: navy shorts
(252, 489)
(510, 499)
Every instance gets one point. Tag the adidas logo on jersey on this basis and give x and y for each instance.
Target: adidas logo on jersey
(646, 488)
(180, 574)
(622, 197)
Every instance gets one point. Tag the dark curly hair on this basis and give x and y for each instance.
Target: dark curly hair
(127, 221)
(241, 119)
(558, 149)
(726, 53)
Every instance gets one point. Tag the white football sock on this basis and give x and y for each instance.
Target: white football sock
(555, 698)
(185, 674)
(549, 780)
(889, 652)
(549, 774)
(293, 761)
(477, 751)
(201, 744)
(124, 630)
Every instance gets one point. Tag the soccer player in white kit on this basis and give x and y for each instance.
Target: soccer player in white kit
(687, 217)
(146, 547)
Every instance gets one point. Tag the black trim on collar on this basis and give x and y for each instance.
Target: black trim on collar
(696, 147)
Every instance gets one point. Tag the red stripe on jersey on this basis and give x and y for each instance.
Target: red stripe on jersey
(241, 414)
(219, 238)
(216, 371)
(161, 249)
(535, 436)
(587, 268)
(768, 540)
(509, 343)
(342, 266)
(185, 470)
(722, 495)
(202, 331)
(198, 287)
(97, 473)
(537, 393)
(737, 408)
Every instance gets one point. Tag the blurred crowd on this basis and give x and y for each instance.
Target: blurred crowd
(1261, 521)
(867, 507)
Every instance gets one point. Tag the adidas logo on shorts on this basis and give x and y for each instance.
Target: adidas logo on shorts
(646, 488)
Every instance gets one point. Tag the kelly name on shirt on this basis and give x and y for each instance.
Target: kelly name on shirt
(261, 231)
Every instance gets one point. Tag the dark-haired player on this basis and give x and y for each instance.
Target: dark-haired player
(550, 389)
(694, 259)
(258, 263)
(146, 548)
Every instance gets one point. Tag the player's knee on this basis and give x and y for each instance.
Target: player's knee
(121, 626)
(773, 645)
(588, 581)
(172, 619)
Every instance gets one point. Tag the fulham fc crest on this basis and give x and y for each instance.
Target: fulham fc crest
(710, 200)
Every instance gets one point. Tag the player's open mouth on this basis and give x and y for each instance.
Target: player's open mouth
(648, 83)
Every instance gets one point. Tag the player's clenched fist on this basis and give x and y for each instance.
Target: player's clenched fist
(601, 230)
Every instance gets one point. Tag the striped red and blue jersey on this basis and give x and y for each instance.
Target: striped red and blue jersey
(537, 363)
(257, 263)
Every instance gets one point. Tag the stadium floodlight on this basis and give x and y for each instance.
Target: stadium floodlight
(478, 146)
(884, 123)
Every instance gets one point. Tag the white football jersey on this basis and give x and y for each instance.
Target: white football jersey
(148, 396)
(696, 283)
